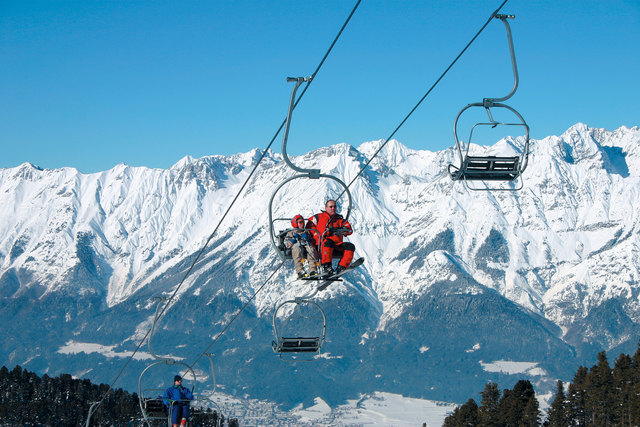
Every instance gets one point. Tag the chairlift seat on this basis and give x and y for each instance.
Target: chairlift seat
(155, 408)
(298, 345)
(281, 246)
(488, 168)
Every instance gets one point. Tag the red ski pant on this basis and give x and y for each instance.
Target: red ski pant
(344, 249)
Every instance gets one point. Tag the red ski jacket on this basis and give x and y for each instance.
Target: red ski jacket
(322, 221)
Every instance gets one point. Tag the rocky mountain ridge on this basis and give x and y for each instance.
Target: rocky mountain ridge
(83, 255)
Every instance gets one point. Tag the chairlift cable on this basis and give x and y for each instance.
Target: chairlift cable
(237, 314)
(426, 94)
(265, 151)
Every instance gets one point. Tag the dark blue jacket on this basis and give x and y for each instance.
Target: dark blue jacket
(178, 393)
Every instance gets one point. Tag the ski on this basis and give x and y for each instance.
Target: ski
(334, 277)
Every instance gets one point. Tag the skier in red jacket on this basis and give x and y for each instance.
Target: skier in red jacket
(331, 227)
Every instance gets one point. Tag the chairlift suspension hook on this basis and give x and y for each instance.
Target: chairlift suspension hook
(153, 330)
(311, 173)
(516, 79)
(92, 409)
(213, 374)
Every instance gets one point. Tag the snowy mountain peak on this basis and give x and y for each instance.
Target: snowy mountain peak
(553, 267)
(394, 151)
(617, 152)
(126, 227)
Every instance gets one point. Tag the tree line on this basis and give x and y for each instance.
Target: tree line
(599, 396)
(27, 399)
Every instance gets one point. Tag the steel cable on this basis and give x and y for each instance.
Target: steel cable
(424, 96)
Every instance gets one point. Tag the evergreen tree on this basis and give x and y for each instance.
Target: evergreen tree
(452, 419)
(558, 412)
(577, 412)
(464, 416)
(490, 399)
(27, 399)
(469, 414)
(623, 390)
(596, 397)
(634, 404)
(599, 398)
(531, 415)
(4, 392)
(514, 402)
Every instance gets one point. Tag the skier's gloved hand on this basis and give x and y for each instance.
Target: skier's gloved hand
(305, 236)
(296, 236)
(292, 240)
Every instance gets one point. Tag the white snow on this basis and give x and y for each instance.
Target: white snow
(512, 368)
(72, 347)
(319, 410)
(475, 347)
(377, 409)
(579, 211)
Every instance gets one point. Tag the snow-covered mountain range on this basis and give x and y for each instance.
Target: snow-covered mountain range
(456, 283)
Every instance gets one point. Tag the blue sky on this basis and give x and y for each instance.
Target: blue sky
(90, 84)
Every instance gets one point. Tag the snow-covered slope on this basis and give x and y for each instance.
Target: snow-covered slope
(558, 251)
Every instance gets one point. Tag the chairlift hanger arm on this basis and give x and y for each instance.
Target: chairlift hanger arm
(488, 102)
(311, 173)
(213, 373)
(92, 409)
(492, 121)
(153, 330)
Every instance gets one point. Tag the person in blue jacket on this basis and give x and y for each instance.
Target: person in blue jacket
(180, 396)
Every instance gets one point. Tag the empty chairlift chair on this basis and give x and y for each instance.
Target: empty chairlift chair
(299, 332)
(507, 168)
